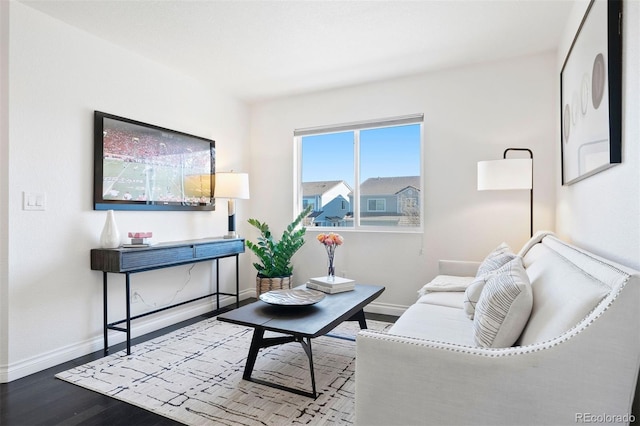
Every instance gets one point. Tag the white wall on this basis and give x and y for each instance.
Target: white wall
(471, 114)
(4, 174)
(602, 212)
(51, 302)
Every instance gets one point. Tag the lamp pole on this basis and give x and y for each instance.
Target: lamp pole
(504, 156)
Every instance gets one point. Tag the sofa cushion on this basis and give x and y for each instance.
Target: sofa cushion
(494, 260)
(452, 299)
(563, 294)
(433, 322)
(503, 308)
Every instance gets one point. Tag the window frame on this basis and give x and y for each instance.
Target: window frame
(356, 127)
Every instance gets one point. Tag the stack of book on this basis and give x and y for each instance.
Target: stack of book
(331, 285)
(139, 239)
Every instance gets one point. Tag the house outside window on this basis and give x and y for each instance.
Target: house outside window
(362, 176)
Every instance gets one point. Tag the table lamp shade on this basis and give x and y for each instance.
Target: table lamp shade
(513, 173)
(231, 185)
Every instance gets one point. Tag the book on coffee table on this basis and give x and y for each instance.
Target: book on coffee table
(330, 290)
(331, 286)
(326, 281)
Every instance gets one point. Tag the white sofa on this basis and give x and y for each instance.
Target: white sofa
(576, 360)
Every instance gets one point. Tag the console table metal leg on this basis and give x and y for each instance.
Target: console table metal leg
(237, 282)
(217, 285)
(128, 296)
(104, 314)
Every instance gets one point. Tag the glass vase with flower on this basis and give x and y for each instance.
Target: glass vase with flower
(330, 242)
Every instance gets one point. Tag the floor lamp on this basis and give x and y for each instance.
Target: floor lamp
(508, 173)
(232, 186)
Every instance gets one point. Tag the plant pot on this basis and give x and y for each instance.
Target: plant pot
(264, 284)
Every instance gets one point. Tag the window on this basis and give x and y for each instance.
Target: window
(376, 205)
(365, 175)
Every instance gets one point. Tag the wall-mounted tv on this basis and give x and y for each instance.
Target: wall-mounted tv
(139, 166)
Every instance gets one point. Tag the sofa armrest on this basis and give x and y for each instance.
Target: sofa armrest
(459, 268)
(435, 383)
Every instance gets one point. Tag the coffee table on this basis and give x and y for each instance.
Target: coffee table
(299, 324)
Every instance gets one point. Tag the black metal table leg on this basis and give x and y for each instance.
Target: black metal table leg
(217, 285)
(258, 342)
(237, 281)
(104, 314)
(359, 316)
(128, 296)
(307, 348)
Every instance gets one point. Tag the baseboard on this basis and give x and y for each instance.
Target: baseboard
(23, 368)
(385, 308)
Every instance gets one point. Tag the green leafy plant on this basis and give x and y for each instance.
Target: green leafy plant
(275, 256)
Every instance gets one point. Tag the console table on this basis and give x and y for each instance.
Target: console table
(164, 255)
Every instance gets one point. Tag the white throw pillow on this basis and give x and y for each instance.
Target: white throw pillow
(504, 307)
(497, 258)
(472, 295)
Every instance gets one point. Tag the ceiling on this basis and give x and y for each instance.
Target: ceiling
(256, 50)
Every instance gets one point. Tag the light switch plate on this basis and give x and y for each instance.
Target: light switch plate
(34, 201)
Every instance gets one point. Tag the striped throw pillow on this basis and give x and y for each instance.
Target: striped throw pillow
(497, 258)
(474, 290)
(504, 307)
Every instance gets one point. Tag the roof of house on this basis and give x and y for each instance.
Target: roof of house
(310, 189)
(388, 185)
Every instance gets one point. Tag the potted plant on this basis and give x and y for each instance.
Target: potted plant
(274, 266)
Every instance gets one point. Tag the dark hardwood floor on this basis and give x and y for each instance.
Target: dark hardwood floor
(41, 399)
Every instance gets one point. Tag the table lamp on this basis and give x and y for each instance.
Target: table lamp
(232, 186)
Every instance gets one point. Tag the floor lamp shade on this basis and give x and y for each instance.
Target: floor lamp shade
(512, 173)
(508, 173)
(232, 186)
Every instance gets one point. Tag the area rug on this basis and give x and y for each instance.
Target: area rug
(194, 376)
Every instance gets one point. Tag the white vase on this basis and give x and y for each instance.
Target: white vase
(110, 237)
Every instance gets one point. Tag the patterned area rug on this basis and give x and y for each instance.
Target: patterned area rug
(194, 376)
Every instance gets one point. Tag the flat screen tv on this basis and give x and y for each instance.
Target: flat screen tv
(139, 166)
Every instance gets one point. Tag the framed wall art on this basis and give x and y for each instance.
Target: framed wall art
(591, 94)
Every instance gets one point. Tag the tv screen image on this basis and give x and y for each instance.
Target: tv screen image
(139, 166)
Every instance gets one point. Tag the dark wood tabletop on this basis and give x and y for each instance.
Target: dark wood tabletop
(307, 321)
